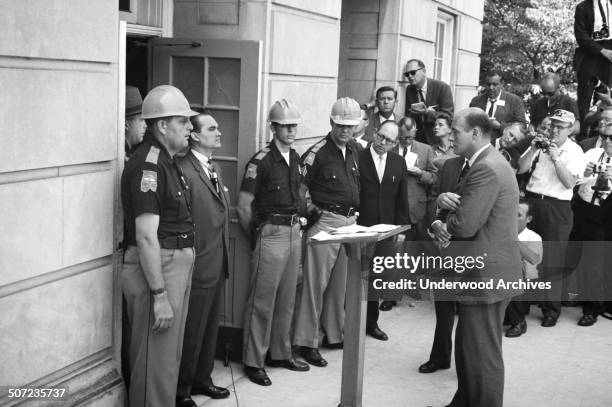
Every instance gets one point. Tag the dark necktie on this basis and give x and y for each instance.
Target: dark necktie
(405, 151)
(212, 174)
(464, 171)
(490, 112)
(421, 97)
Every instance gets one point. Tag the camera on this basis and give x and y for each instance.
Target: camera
(601, 167)
(602, 34)
(602, 183)
(542, 144)
(598, 85)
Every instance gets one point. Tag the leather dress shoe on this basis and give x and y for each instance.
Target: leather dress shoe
(387, 305)
(212, 391)
(430, 367)
(185, 402)
(257, 375)
(377, 333)
(549, 321)
(312, 356)
(291, 364)
(587, 320)
(517, 330)
(325, 344)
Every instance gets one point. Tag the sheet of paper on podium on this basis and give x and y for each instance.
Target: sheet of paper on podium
(353, 231)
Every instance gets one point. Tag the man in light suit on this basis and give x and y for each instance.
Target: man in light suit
(386, 97)
(421, 175)
(503, 108)
(383, 198)
(210, 208)
(483, 211)
(424, 98)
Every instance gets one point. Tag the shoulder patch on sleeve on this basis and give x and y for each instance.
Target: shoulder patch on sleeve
(310, 158)
(153, 155)
(251, 171)
(312, 153)
(318, 146)
(262, 153)
(148, 182)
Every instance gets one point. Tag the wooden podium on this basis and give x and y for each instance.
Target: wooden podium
(359, 250)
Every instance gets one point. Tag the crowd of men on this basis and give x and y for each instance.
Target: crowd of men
(488, 174)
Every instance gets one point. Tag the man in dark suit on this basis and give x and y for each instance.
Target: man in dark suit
(485, 213)
(425, 97)
(551, 100)
(209, 205)
(503, 108)
(441, 349)
(382, 197)
(386, 97)
(421, 175)
(593, 57)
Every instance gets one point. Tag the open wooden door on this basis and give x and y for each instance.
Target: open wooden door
(224, 77)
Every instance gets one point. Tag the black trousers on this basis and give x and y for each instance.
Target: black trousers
(200, 339)
(516, 311)
(552, 220)
(589, 258)
(442, 347)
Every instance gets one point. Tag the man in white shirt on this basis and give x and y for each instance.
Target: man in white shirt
(554, 165)
(530, 246)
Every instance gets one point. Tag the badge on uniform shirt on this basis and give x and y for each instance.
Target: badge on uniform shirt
(251, 171)
(148, 181)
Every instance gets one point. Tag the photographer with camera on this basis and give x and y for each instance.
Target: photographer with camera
(593, 57)
(593, 190)
(554, 164)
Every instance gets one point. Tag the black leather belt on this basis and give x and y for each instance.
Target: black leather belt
(540, 196)
(177, 242)
(343, 210)
(280, 219)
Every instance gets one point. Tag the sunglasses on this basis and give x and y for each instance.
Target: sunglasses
(411, 73)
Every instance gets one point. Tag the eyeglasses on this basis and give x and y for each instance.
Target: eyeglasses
(605, 123)
(411, 73)
(385, 139)
(558, 127)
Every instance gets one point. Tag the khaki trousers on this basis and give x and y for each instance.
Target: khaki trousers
(269, 307)
(155, 357)
(322, 295)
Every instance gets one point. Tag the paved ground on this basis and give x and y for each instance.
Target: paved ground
(564, 366)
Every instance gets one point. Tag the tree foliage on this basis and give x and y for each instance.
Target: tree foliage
(526, 38)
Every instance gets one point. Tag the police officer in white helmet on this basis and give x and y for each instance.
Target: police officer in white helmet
(159, 256)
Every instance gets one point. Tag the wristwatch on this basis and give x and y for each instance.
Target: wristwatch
(158, 291)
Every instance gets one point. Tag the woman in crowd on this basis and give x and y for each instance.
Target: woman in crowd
(442, 149)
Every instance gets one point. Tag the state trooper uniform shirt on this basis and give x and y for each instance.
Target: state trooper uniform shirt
(331, 178)
(274, 184)
(152, 182)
